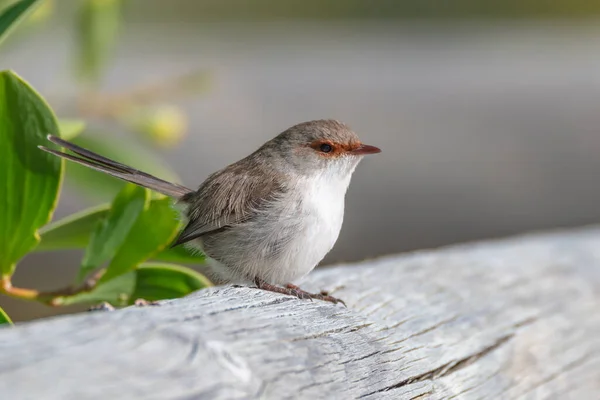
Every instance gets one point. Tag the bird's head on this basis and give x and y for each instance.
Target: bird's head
(317, 147)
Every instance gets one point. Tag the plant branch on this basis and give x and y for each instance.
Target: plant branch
(51, 298)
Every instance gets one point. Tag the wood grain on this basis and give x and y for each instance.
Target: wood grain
(509, 319)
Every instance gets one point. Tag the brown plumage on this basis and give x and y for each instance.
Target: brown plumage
(229, 197)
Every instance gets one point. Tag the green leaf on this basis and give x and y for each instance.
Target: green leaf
(181, 255)
(29, 177)
(98, 186)
(154, 229)
(13, 14)
(72, 232)
(99, 22)
(111, 232)
(70, 128)
(117, 291)
(4, 319)
(157, 281)
(150, 281)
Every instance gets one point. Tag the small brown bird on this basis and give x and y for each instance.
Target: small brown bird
(269, 218)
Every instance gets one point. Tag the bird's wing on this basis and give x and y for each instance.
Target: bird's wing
(228, 197)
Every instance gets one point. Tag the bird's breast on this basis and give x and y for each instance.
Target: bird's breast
(318, 214)
(323, 203)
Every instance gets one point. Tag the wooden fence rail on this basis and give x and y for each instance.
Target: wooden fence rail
(514, 318)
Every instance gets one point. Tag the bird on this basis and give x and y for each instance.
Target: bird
(268, 219)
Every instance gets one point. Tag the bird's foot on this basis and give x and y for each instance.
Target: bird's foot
(145, 303)
(323, 295)
(293, 290)
(104, 306)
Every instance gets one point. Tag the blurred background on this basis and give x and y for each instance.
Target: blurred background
(488, 113)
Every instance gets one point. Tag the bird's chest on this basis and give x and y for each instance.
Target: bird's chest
(323, 208)
(318, 213)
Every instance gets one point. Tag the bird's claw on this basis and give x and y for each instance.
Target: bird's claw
(293, 290)
(104, 306)
(145, 303)
(323, 295)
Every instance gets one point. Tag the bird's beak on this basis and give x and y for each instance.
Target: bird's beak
(364, 149)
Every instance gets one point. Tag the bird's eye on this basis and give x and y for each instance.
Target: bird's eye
(325, 148)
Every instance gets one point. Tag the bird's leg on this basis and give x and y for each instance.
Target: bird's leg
(319, 296)
(272, 288)
(293, 290)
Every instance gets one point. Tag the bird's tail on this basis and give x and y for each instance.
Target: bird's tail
(116, 169)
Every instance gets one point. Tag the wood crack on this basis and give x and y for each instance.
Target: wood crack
(343, 329)
(424, 331)
(360, 358)
(446, 369)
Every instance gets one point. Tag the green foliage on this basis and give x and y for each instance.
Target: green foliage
(181, 254)
(13, 14)
(124, 234)
(117, 292)
(154, 229)
(129, 231)
(99, 22)
(149, 281)
(120, 237)
(110, 233)
(74, 231)
(166, 281)
(4, 319)
(29, 178)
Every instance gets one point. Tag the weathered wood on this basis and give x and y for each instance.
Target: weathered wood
(516, 318)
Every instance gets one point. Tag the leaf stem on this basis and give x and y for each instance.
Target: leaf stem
(7, 288)
(52, 298)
